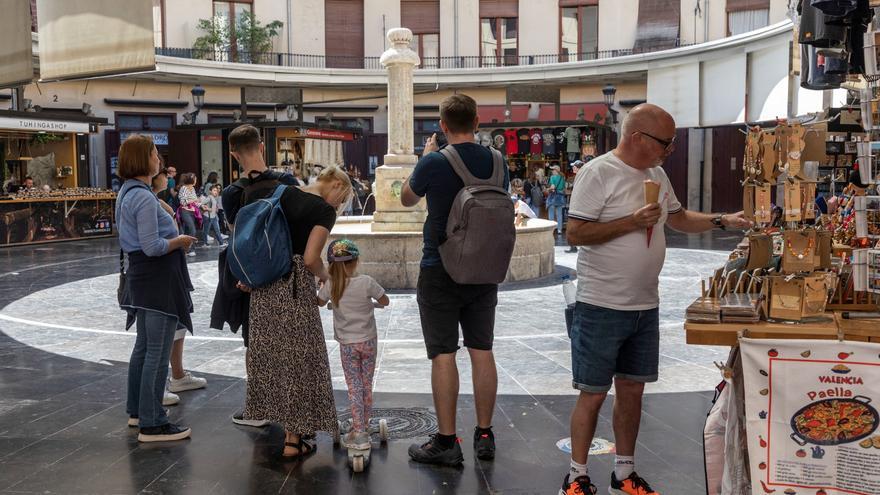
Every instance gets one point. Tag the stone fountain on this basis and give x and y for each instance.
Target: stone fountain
(391, 241)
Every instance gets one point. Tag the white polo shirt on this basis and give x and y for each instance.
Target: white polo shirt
(623, 273)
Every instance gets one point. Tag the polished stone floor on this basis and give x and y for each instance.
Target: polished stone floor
(63, 356)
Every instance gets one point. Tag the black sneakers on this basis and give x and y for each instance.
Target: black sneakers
(165, 433)
(484, 444)
(432, 453)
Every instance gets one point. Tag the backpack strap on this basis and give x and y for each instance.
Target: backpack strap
(465, 174)
(498, 168)
(279, 191)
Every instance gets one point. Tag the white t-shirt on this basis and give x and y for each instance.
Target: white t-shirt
(623, 273)
(353, 320)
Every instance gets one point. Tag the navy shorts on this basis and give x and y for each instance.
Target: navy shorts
(606, 343)
(444, 305)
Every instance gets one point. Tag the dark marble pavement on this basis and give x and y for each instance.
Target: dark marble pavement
(62, 424)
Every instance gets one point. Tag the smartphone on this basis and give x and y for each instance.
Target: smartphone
(441, 139)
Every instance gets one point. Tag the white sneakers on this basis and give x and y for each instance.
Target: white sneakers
(170, 399)
(356, 440)
(188, 382)
(238, 418)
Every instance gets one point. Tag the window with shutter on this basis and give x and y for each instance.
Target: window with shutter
(344, 33)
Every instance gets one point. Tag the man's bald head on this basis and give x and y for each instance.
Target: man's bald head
(647, 136)
(648, 118)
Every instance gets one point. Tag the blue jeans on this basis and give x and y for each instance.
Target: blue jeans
(607, 342)
(554, 212)
(188, 219)
(148, 367)
(211, 226)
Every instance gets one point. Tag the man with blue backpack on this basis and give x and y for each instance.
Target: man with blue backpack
(257, 183)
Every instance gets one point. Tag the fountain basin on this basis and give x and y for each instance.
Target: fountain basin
(392, 258)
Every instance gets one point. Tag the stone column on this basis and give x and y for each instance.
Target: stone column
(400, 61)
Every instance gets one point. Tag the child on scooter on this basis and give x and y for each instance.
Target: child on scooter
(353, 297)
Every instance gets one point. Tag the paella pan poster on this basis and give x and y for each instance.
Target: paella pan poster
(812, 416)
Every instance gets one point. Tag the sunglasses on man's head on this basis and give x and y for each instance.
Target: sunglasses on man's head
(666, 143)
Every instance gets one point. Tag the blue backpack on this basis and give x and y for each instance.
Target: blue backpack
(260, 251)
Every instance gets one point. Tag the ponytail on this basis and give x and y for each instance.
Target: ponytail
(339, 279)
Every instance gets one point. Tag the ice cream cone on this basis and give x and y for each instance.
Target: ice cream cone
(652, 195)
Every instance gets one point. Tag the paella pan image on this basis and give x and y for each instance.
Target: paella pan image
(834, 421)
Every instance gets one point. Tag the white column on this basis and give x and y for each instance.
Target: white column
(400, 61)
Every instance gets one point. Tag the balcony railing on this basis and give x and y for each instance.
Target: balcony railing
(335, 62)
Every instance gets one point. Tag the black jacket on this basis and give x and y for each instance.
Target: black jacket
(231, 305)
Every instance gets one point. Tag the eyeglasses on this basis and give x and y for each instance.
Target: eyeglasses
(667, 144)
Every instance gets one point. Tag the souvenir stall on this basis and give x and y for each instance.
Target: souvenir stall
(533, 147)
(44, 195)
(795, 300)
(302, 149)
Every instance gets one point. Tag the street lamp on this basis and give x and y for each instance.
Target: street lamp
(609, 92)
(198, 95)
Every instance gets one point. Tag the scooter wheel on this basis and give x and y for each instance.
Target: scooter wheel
(337, 437)
(383, 430)
(357, 464)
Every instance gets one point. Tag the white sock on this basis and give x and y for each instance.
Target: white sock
(576, 470)
(624, 466)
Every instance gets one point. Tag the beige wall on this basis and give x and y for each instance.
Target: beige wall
(717, 12)
(539, 27)
(274, 10)
(182, 20)
(687, 32)
(468, 27)
(778, 10)
(308, 27)
(617, 24)
(375, 26)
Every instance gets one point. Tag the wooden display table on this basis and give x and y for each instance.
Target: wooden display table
(727, 333)
(57, 218)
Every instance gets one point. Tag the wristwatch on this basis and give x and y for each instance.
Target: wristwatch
(716, 221)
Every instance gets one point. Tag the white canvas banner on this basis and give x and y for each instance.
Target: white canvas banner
(811, 416)
(88, 38)
(16, 45)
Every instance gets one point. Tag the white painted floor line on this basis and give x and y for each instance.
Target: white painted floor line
(132, 333)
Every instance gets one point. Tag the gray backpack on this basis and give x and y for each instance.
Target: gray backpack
(480, 234)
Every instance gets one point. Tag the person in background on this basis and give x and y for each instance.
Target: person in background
(28, 183)
(189, 203)
(209, 183)
(157, 288)
(210, 211)
(575, 168)
(172, 177)
(534, 193)
(180, 380)
(556, 197)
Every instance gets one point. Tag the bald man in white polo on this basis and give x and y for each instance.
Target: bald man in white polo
(615, 336)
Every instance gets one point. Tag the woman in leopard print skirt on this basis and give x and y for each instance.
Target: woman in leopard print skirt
(288, 372)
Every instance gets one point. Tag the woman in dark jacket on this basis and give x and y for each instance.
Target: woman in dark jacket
(157, 287)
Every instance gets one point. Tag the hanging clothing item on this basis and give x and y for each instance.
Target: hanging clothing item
(818, 29)
(813, 75)
(835, 8)
(572, 140)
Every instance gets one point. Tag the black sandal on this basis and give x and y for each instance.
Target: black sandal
(304, 448)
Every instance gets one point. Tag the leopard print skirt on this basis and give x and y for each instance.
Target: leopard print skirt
(288, 370)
